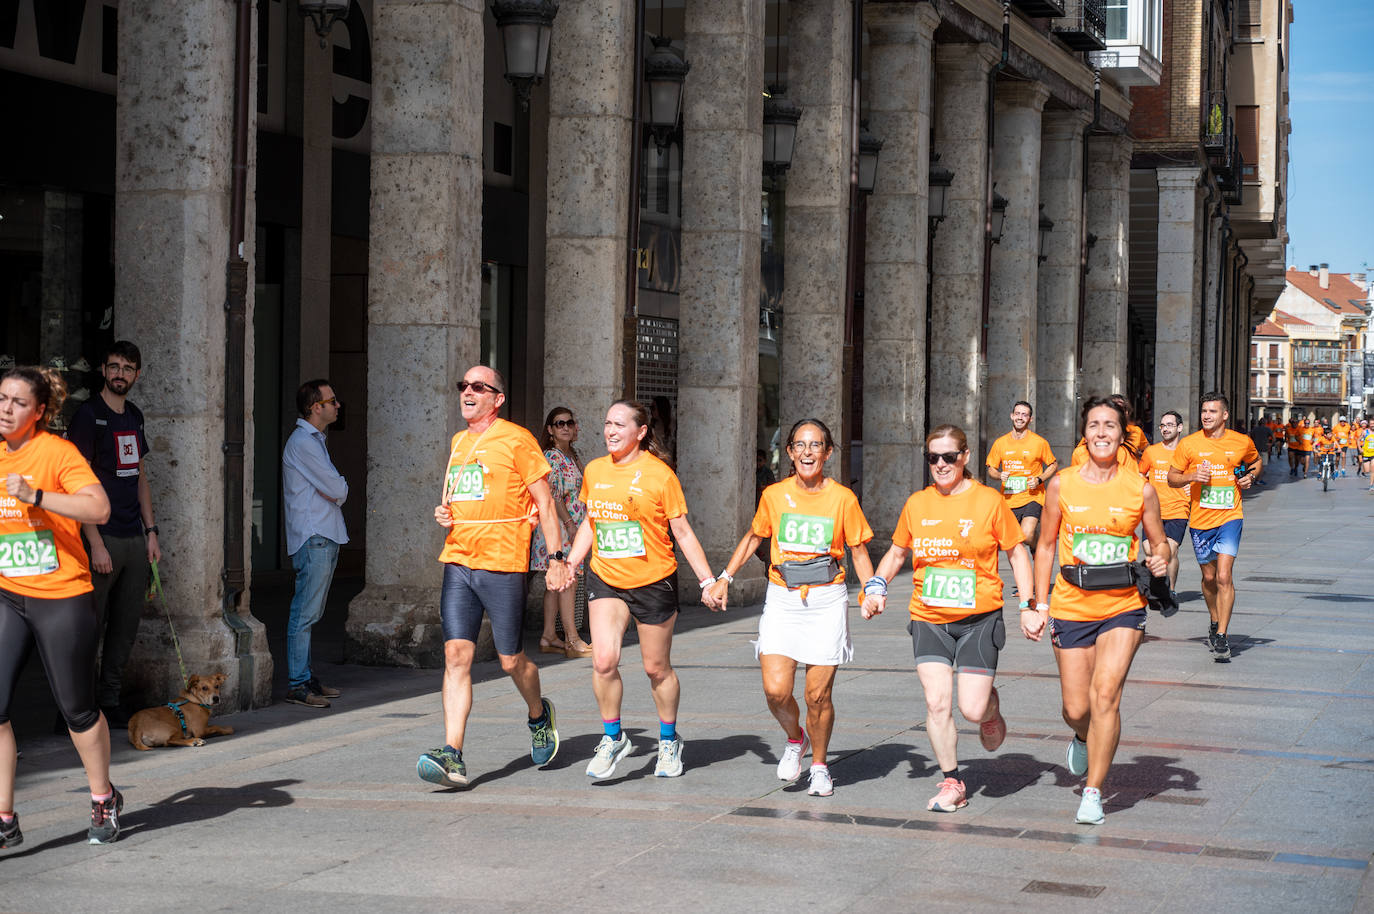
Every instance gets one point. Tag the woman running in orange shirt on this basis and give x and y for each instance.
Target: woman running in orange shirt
(809, 519)
(1096, 624)
(45, 587)
(953, 530)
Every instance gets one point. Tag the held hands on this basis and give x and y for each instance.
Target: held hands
(558, 576)
(1159, 567)
(1033, 623)
(718, 592)
(443, 516)
(873, 605)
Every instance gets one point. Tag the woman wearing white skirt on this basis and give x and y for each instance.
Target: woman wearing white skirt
(810, 519)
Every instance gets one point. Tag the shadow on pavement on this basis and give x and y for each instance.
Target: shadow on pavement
(1146, 776)
(878, 762)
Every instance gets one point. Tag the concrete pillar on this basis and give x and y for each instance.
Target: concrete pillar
(1104, 318)
(900, 66)
(718, 360)
(1211, 298)
(1012, 331)
(423, 317)
(1178, 337)
(60, 331)
(817, 215)
(317, 231)
(173, 137)
(591, 85)
(961, 139)
(1061, 276)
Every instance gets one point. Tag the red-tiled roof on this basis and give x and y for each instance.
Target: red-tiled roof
(1284, 319)
(1269, 328)
(1339, 297)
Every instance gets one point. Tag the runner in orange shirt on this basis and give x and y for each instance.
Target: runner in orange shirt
(1173, 503)
(1307, 437)
(953, 530)
(1327, 448)
(1020, 461)
(45, 587)
(1345, 440)
(808, 520)
(495, 490)
(1292, 436)
(1096, 624)
(1276, 435)
(634, 502)
(1217, 464)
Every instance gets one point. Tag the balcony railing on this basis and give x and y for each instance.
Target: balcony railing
(1217, 126)
(1260, 362)
(1040, 9)
(1083, 26)
(1313, 396)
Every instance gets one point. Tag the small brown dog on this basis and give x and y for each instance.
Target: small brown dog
(180, 723)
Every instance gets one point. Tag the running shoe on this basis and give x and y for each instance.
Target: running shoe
(1223, 650)
(443, 766)
(952, 796)
(544, 736)
(992, 731)
(609, 752)
(789, 768)
(10, 835)
(1076, 758)
(1090, 808)
(820, 784)
(104, 819)
(669, 758)
(1212, 637)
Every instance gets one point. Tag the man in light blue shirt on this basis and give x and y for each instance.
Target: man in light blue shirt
(314, 492)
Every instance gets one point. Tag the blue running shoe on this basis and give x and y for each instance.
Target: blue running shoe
(544, 736)
(443, 766)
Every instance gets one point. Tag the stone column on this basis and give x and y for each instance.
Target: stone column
(718, 360)
(591, 85)
(961, 139)
(1012, 350)
(817, 216)
(895, 271)
(1178, 337)
(423, 317)
(60, 331)
(1061, 276)
(317, 230)
(1104, 317)
(175, 95)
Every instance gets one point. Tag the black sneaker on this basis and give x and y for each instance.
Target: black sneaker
(301, 695)
(10, 835)
(105, 819)
(1223, 649)
(1212, 637)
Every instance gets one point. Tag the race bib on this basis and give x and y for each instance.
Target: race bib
(1015, 485)
(467, 482)
(25, 554)
(806, 533)
(952, 587)
(1217, 498)
(1101, 548)
(619, 539)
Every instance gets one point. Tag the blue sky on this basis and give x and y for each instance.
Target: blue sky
(1331, 95)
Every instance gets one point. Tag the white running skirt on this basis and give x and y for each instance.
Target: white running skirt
(814, 632)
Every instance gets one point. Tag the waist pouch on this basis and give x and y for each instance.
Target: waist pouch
(812, 572)
(1102, 577)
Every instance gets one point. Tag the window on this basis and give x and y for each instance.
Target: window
(1300, 384)
(1273, 350)
(1247, 135)
(1118, 19)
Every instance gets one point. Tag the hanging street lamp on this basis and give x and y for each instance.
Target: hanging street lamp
(525, 27)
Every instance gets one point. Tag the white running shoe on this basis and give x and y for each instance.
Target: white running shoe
(1090, 809)
(609, 752)
(820, 783)
(1077, 757)
(789, 768)
(669, 758)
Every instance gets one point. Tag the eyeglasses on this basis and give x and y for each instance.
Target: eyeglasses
(561, 423)
(801, 447)
(951, 458)
(114, 368)
(477, 387)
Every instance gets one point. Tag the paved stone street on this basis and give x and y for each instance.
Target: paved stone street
(1238, 787)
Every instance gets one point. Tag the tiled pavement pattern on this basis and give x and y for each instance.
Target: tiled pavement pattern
(1246, 786)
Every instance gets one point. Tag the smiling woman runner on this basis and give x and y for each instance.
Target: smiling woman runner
(633, 500)
(953, 530)
(45, 586)
(805, 614)
(1097, 615)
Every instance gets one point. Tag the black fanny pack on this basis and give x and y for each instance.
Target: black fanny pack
(812, 572)
(1114, 576)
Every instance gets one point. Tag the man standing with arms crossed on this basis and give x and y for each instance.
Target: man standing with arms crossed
(495, 489)
(1021, 461)
(108, 431)
(1173, 503)
(314, 493)
(1217, 464)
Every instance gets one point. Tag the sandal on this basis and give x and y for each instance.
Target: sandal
(580, 649)
(552, 647)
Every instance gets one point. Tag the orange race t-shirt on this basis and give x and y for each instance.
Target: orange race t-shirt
(1342, 434)
(1154, 466)
(1290, 435)
(1307, 434)
(1097, 525)
(487, 487)
(1218, 502)
(954, 541)
(1020, 459)
(1135, 437)
(41, 554)
(1326, 444)
(629, 507)
(803, 525)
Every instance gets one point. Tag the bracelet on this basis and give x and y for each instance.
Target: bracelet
(152, 529)
(706, 582)
(1023, 605)
(876, 585)
(726, 577)
(37, 497)
(1042, 607)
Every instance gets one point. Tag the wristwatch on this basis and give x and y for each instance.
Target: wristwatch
(152, 529)
(558, 556)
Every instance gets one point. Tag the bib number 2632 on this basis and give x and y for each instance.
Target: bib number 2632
(26, 554)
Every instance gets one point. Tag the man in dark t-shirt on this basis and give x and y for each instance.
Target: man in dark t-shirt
(108, 430)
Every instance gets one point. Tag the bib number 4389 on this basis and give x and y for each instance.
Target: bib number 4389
(1101, 548)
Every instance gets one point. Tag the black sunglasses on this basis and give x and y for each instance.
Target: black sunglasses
(563, 423)
(951, 458)
(477, 387)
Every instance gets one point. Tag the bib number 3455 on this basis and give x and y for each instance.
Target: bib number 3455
(619, 539)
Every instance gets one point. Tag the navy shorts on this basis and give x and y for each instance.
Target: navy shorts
(1029, 509)
(1224, 540)
(971, 645)
(469, 591)
(1066, 633)
(1176, 529)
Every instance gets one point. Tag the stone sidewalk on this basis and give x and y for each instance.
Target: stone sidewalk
(1246, 786)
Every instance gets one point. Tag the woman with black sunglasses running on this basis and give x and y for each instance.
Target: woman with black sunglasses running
(953, 530)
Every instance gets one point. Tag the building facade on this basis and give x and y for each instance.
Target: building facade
(254, 209)
(1326, 318)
